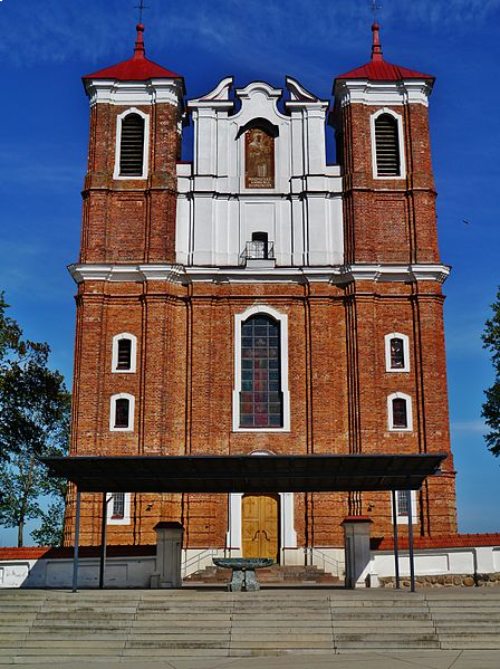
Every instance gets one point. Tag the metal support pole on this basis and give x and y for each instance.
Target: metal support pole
(410, 541)
(77, 539)
(102, 561)
(396, 545)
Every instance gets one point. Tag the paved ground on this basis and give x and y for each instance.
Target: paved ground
(424, 659)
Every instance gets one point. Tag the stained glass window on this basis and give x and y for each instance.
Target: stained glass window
(261, 398)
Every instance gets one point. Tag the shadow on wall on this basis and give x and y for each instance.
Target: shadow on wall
(53, 567)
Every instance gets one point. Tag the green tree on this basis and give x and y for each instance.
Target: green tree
(10, 338)
(34, 422)
(491, 407)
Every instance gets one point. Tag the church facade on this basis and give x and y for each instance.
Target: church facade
(258, 300)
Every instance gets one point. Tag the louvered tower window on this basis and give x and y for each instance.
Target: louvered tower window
(124, 354)
(132, 146)
(387, 146)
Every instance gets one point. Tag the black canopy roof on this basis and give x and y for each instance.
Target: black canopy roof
(246, 473)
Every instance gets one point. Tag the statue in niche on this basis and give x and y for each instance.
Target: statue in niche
(259, 159)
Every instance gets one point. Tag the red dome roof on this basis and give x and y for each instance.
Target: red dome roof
(137, 68)
(380, 70)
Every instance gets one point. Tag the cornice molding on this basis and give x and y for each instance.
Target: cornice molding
(363, 91)
(180, 274)
(154, 91)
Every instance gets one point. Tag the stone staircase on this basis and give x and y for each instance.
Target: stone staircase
(49, 627)
(275, 575)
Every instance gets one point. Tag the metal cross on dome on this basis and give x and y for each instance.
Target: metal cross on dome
(141, 7)
(375, 9)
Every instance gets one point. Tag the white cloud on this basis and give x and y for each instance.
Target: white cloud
(469, 426)
(52, 30)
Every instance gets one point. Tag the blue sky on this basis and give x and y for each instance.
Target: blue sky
(46, 47)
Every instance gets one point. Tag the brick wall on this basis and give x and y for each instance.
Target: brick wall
(185, 334)
(184, 382)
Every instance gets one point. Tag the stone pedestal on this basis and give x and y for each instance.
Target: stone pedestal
(357, 550)
(168, 556)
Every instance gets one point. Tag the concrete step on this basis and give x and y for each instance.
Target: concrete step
(386, 645)
(177, 643)
(385, 635)
(479, 644)
(382, 625)
(69, 652)
(166, 653)
(145, 625)
(274, 574)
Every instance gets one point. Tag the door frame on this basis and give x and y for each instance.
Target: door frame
(287, 533)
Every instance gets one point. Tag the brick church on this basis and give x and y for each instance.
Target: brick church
(258, 300)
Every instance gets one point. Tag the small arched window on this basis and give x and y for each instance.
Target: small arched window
(124, 353)
(397, 352)
(132, 146)
(388, 159)
(399, 412)
(122, 413)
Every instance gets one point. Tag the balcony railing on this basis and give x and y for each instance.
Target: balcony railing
(258, 250)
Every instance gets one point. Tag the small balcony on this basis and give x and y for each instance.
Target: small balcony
(258, 254)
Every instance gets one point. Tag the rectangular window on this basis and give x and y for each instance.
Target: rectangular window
(118, 505)
(118, 508)
(402, 509)
(402, 504)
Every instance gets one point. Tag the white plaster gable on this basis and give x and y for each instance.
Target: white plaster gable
(259, 100)
(217, 215)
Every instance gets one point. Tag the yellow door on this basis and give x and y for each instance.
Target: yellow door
(260, 526)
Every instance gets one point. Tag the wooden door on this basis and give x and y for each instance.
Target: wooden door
(260, 527)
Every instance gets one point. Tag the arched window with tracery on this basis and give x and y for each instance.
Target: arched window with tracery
(261, 396)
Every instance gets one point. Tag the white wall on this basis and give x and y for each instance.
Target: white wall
(58, 573)
(135, 572)
(435, 562)
(216, 214)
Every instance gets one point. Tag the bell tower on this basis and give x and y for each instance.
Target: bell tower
(135, 141)
(390, 242)
(382, 128)
(129, 218)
